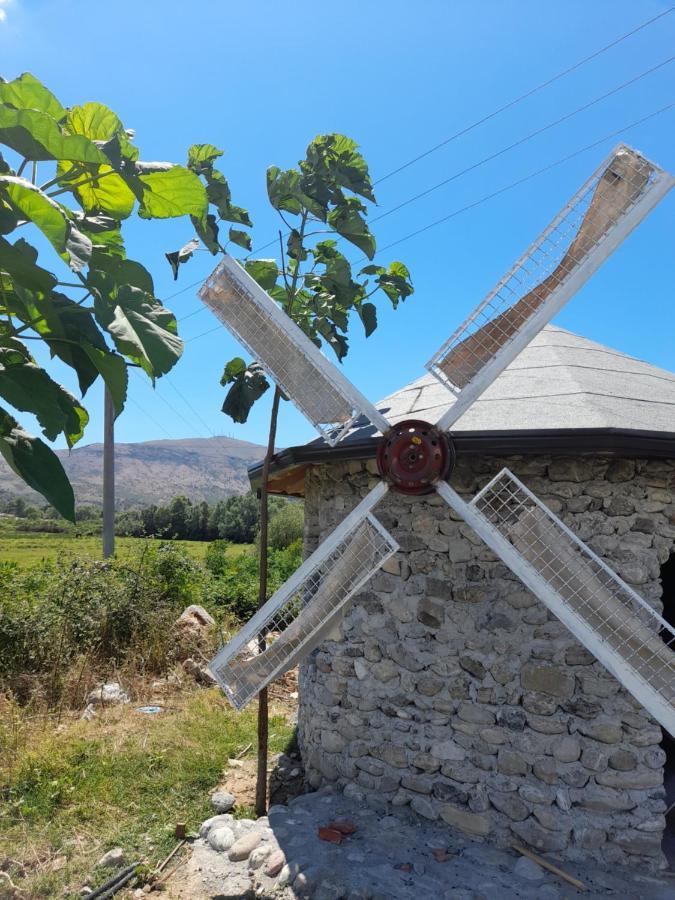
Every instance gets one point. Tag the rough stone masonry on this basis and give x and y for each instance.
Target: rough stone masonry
(452, 690)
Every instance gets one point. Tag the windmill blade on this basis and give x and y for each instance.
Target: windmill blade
(317, 387)
(602, 611)
(304, 610)
(614, 200)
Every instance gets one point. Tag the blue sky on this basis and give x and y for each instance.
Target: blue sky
(260, 79)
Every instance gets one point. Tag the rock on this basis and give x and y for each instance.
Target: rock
(473, 666)
(222, 802)
(472, 823)
(476, 713)
(545, 770)
(275, 863)
(258, 856)
(639, 843)
(108, 694)
(530, 871)
(424, 807)
(199, 672)
(602, 731)
(448, 750)
(431, 612)
(195, 618)
(244, 846)
(552, 680)
(221, 838)
(594, 759)
(567, 749)
(623, 761)
(509, 804)
(214, 822)
(112, 859)
(89, 712)
(538, 837)
(511, 763)
(631, 781)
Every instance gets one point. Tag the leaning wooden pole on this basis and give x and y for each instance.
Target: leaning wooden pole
(108, 475)
(263, 716)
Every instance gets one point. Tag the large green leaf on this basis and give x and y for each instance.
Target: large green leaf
(73, 246)
(102, 189)
(174, 192)
(142, 329)
(27, 92)
(202, 156)
(110, 274)
(113, 370)
(65, 326)
(336, 158)
(30, 389)
(37, 465)
(241, 238)
(20, 261)
(37, 136)
(264, 271)
(248, 384)
(368, 315)
(347, 219)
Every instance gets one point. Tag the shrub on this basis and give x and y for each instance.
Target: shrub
(286, 525)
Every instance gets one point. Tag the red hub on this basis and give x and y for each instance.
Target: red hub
(413, 456)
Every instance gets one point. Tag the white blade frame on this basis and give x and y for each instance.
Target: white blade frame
(652, 194)
(256, 626)
(626, 674)
(228, 304)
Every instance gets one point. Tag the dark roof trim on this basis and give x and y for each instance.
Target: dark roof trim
(551, 442)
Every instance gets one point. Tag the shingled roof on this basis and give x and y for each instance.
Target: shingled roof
(562, 395)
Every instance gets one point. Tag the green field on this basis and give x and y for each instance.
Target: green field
(28, 548)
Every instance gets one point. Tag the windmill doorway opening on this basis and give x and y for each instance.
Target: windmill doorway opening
(668, 744)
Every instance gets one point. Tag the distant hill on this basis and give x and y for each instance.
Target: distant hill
(153, 471)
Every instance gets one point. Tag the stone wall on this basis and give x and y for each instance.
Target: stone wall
(452, 691)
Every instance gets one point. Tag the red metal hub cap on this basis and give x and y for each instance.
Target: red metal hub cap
(413, 456)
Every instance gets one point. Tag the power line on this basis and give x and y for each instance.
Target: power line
(150, 418)
(529, 177)
(189, 405)
(475, 125)
(173, 409)
(534, 90)
(508, 105)
(523, 140)
(505, 188)
(498, 153)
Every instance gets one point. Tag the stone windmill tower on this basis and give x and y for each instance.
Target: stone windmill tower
(494, 744)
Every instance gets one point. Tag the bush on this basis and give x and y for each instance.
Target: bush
(286, 525)
(215, 558)
(105, 613)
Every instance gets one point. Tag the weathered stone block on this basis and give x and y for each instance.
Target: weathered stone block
(552, 680)
(540, 838)
(470, 822)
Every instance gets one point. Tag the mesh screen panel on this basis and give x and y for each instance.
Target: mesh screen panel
(293, 622)
(583, 224)
(248, 315)
(619, 617)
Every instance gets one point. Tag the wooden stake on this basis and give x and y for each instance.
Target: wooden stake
(108, 475)
(545, 864)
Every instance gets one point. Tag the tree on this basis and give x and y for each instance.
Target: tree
(103, 316)
(316, 285)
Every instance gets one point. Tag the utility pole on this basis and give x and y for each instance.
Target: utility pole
(108, 475)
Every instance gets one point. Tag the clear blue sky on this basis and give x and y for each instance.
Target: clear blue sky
(260, 79)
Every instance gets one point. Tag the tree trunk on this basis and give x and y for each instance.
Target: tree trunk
(261, 782)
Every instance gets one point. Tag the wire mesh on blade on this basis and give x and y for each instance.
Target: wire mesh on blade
(582, 226)
(618, 616)
(300, 614)
(269, 335)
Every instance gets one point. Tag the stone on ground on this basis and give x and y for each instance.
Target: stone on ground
(222, 801)
(112, 859)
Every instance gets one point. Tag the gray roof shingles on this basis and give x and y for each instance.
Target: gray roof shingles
(560, 381)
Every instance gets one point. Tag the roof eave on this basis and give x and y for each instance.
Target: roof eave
(552, 442)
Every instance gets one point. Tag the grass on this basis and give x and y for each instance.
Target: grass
(29, 548)
(125, 779)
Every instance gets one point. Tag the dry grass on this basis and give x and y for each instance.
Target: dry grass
(74, 790)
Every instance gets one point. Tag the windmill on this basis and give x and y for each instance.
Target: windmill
(415, 457)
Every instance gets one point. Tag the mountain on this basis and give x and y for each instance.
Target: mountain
(153, 471)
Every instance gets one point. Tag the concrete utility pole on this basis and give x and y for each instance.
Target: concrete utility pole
(108, 475)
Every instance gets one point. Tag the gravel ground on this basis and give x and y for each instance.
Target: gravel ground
(386, 857)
